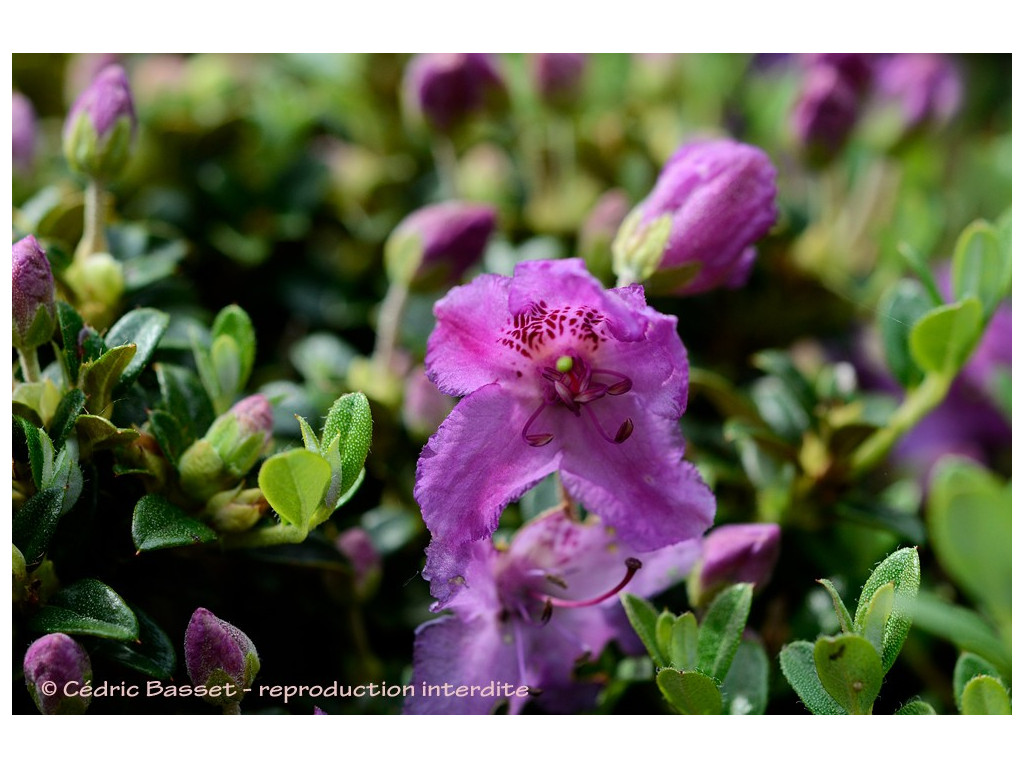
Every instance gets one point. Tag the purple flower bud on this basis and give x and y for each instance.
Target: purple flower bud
(451, 236)
(447, 88)
(357, 546)
(23, 132)
(56, 667)
(855, 69)
(734, 554)
(927, 86)
(101, 125)
(32, 295)
(255, 416)
(720, 198)
(825, 113)
(558, 77)
(219, 654)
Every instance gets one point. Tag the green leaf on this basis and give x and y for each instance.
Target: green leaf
(899, 309)
(745, 688)
(644, 618)
(71, 405)
(916, 707)
(99, 377)
(877, 616)
(850, 671)
(985, 695)
(682, 648)
(942, 339)
(350, 422)
(34, 524)
(780, 408)
(153, 655)
(780, 365)
(981, 266)
(158, 524)
(169, 434)
(184, 397)
(797, 662)
(88, 607)
(962, 627)
(295, 484)
(96, 433)
(70, 326)
(720, 632)
(691, 693)
(903, 569)
(309, 439)
(234, 323)
(845, 620)
(663, 632)
(144, 328)
(968, 667)
(40, 451)
(969, 524)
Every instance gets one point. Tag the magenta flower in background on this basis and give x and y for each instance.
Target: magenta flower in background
(560, 375)
(720, 196)
(23, 132)
(58, 660)
(926, 85)
(447, 88)
(825, 113)
(452, 238)
(558, 77)
(735, 554)
(531, 612)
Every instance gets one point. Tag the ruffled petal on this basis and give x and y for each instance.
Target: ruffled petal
(464, 351)
(641, 487)
(475, 464)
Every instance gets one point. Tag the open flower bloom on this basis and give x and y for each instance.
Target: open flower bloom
(560, 375)
(530, 612)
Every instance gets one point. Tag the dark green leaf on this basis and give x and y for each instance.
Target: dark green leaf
(780, 365)
(962, 627)
(34, 524)
(942, 339)
(981, 266)
(70, 326)
(99, 377)
(797, 662)
(745, 688)
(874, 513)
(644, 618)
(985, 696)
(169, 434)
(720, 632)
(691, 693)
(183, 396)
(916, 707)
(71, 405)
(143, 328)
(903, 569)
(899, 309)
(850, 670)
(780, 408)
(88, 607)
(153, 655)
(40, 450)
(96, 433)
(158, 524)
(968, 667)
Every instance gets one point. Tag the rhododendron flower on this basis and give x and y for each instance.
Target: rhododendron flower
(530, 612)
(560, 375)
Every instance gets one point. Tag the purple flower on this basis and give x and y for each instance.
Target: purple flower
(720, 198)
(733, 554)
(357, 546)
(559, 374)
(447, 88)
(531, 612)
(558, 77)
(451, 237)
(64, 667)
(855, 69)
(33, 304)
(926, 85)
(219, 654)
(825, 113)
(100, 127)
(23, 132)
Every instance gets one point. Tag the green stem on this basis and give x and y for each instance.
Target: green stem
(447, 165)
(389, 321)
(915, 407)
(29, 364)
(282, 533)
(231, 708)
(94, 238)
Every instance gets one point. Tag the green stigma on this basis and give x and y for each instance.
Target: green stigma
(564, 364)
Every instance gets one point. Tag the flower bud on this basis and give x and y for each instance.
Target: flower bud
(100, 127)
(696, 229)
(434, 246)
(927, 87)
(558, 77)
(235, 510)
(231, 447)
(52, 664)
(34, 310)
(855, 69)
(734, 554)
(357, 546)
(446, 89)
(219, 654)
(23, 132)
(825, 113)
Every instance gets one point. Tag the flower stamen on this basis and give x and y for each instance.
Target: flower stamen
(550, 603)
